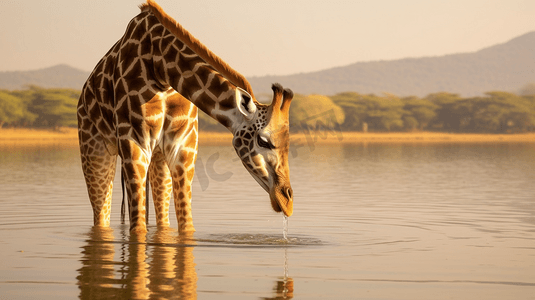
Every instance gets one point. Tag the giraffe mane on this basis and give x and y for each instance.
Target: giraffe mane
(144, 7)
(200, 49)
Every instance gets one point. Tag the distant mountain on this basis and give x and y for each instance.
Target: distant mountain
(505, 67)
(60, 76)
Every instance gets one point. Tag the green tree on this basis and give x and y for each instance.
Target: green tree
(315, 112)
(450, 113)
(419, 112)
(13, 110)
(502, 112)
(384, 113)
(377, 113)
(54, 107)
(523, 116)
(354, 108)
(495, 112)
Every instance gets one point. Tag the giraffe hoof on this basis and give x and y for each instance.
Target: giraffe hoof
(138, 229)
(188, 230)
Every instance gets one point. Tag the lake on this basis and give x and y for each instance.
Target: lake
(371, 221)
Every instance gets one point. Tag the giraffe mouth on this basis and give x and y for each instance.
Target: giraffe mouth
(275, 205)
(281, 200)
(280, 197)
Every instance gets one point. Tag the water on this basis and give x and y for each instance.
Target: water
(285, 227)
(370, 222)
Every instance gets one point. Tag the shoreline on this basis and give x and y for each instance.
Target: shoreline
(69, 137)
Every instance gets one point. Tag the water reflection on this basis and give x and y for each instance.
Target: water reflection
(284, 288)
(427, 220)
(97, 276)
(156, 265)
(138, 267)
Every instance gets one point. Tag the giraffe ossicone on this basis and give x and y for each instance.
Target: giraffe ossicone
(140, 103)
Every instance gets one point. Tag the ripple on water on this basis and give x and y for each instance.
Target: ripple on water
(258, 240)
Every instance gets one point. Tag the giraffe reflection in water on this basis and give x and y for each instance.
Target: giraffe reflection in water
(145, 266)
(284, 288)
(157, 265)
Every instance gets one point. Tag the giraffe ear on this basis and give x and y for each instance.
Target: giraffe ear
(245, 103)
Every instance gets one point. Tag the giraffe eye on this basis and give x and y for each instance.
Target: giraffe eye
(263, 142)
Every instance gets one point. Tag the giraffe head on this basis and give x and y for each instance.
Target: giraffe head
(262, 142)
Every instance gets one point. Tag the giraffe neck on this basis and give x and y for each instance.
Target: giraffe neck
(183, 63)
(204, 87)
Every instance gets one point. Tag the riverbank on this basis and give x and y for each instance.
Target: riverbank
(69, 137)
(414, 137)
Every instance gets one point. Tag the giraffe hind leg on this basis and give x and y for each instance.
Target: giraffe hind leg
(182, 172)
(99, 170)
(134, 165)
(124, 197)
(162, 187)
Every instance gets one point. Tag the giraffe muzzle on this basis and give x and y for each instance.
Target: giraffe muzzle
(282, 201)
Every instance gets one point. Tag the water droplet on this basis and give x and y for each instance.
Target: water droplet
(285, 227)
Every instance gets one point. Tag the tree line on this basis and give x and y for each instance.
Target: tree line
(39, 107)
(494, 112)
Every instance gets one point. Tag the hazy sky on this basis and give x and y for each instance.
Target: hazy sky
(276, 37)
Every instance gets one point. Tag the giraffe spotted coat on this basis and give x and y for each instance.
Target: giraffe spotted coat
(140, 103)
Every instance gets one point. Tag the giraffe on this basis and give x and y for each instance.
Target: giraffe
(141, 103)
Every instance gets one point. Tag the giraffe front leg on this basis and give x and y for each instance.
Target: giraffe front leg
(135, 164)
(162, 187)
(182, 174)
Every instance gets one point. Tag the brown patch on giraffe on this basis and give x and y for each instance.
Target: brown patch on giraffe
(127, 55)
(109, 66)
(134, 77)
(218, 87)
(225, 121)
(186, 156)
(237, 143)
(180, 171)
(145, 45)
(137, 31)
(203, 74)
(172, 51)
(103, 127)
(176, 105)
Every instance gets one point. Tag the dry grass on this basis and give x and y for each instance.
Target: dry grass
(22, 137)
(69, 137)
(413, 137)
(37, 134)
